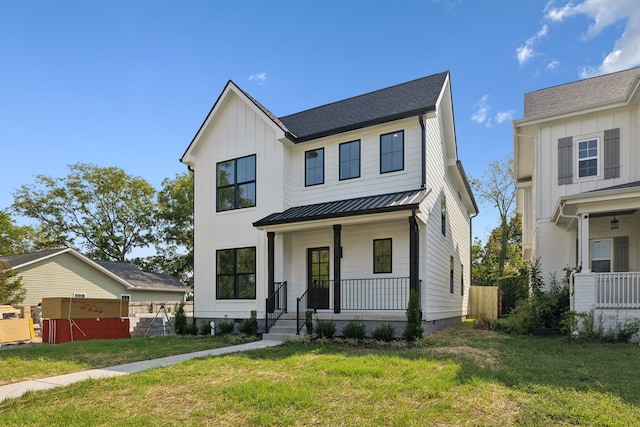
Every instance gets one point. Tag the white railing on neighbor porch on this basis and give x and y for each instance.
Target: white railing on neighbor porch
(618, 290)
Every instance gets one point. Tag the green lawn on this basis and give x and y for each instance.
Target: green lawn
(28, 362)
(461, 377)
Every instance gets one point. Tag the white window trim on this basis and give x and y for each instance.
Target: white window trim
(599, 158)
(128, 297)
(610, 258)
(79, 295)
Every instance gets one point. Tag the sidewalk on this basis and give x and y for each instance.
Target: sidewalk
(11, 391)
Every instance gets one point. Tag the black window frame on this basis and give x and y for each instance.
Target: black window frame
(236, 186)
(306, 166)
(388, 259)
(236, 274)
(342, 161)
(383, 154)
(443, 215)
(451, 274)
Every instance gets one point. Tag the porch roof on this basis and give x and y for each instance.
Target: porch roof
(382, 203)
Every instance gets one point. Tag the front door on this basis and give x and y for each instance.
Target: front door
(318, 278)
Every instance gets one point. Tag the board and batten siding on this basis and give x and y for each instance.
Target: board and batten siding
(238, 130)
(371, 181)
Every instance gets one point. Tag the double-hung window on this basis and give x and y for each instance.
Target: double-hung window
(314, 167)
(587, 158)
(392, 152)
(236, 183)
(236, 273)
(350, 160)
(601, 256)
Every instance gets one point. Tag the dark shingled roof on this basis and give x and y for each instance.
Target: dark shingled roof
(403, 200)
(20, 259)
(142, 279)
(580, 94)
(633, 184)
(384, 105)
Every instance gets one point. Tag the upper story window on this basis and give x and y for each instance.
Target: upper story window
(314, 167)
(443, 215)
(392, 152)
(350, 160)
(587, 158)
(236, 183)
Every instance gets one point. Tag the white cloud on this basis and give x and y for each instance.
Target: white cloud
(258, 78)
(553, 65)
(525, 52)
(503, 116)
(625, 52)
(481, 111)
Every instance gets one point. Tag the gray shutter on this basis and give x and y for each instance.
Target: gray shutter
(565, 160)
(612, 153)
(621, 253)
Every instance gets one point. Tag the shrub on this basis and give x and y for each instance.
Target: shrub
(325, 328)
(180, 320)
(355, 329)
(192, 328)
(385, 332)
(205, 328)
(226, 327)
(309, 321)
(249, 326)
(414, 329)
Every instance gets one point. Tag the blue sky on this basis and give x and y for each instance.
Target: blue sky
(128, 83)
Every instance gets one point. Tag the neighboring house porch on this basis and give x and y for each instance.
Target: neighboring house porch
(605, 223)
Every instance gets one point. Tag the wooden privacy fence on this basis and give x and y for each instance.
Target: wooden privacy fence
(484, 302)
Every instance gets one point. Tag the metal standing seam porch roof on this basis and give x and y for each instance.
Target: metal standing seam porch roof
(403, 200)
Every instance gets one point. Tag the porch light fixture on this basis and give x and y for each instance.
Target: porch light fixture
(615, 223)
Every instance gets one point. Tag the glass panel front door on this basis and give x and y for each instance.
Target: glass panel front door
(318, 278)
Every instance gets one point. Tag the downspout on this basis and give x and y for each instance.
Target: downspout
(572, 286)
(424, 150)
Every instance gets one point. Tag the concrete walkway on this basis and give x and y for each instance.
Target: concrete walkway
(14, 390)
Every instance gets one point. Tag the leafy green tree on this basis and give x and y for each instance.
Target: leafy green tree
(498, 187)
(174, 240)
(12, 292)
(107, 212)
(485, 267)
(15, 239)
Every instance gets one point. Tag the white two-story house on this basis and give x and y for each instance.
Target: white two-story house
(341, 209)
(576, 158)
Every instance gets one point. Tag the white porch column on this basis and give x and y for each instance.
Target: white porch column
(583, 243)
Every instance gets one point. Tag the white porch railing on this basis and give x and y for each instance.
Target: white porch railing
(618, 290)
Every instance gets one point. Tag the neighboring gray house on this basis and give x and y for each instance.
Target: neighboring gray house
(576, 157)
(67, 273)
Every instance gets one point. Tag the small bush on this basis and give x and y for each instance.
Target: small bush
(385, 332)
(180, 320)
(414, 328)
(192, 328)
(355, 329)
(205, 328)
(325, 328)
(226, 328)
(249, 326)
(309, 321)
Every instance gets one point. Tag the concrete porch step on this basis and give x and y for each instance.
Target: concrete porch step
(283, 329)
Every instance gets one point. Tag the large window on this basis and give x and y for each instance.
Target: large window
(350, 160)
(451, 274)
(314, 167)
(601, 256)
(443, 215)
(382, 256)
(236, 183)
(236, 273)
(392, 152)
(587, 158)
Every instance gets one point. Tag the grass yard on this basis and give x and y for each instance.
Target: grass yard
(461, 377)
(31, 362)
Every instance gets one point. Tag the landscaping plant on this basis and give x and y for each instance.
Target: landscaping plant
(414, 329)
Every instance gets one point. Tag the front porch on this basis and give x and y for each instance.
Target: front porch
(373, 299)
